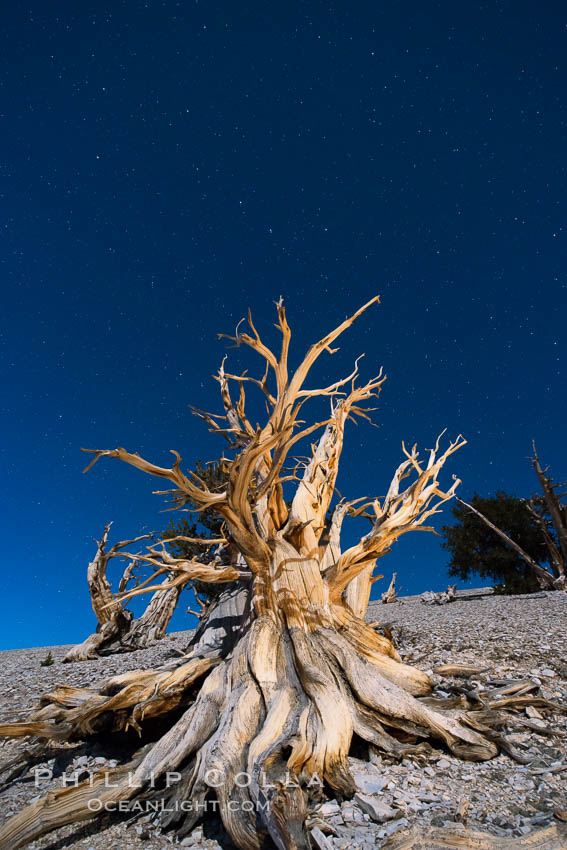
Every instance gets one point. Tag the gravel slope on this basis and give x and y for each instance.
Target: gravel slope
(515, 637)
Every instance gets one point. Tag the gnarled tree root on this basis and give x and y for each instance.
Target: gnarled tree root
(272, 722)
(440, 838)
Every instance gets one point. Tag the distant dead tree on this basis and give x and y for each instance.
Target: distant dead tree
(117, 630)
(558, 513)
(441, 598)
(390, 594)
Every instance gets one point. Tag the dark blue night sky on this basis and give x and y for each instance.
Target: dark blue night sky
(165, 166)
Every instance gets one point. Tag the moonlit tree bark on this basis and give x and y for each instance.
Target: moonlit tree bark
(117, 630)
(283, 669)
(558, 513)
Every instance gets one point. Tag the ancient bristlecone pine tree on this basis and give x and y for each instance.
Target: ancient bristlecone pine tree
(283, 669)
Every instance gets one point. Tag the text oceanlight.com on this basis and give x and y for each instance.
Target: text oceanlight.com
(158, 806)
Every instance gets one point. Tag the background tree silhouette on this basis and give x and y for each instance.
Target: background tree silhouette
(477, 550)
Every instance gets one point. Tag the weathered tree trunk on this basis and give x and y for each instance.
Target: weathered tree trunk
(117, 630)
(558, 514)
(152, 625)
(390, 594)
(458, 837)
(357, 593)
(112, 619)
(442, 598)
(105, 635)
(282, 671)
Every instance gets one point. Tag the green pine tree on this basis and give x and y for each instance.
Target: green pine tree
(476, 549)
(205, 524)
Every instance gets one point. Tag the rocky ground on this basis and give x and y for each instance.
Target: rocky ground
(513, 637)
